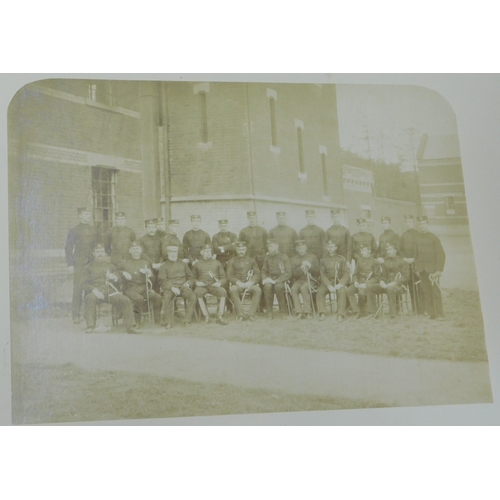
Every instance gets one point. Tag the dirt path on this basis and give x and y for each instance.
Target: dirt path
(390, 381)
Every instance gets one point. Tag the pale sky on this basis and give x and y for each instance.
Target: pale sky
(380, 119)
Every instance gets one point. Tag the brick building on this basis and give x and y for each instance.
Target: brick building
(168, 149)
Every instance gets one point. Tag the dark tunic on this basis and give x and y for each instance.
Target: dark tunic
(314, 237)
(256, 239)
(117, 242)
(334, 270)
(272, 268)
(193, 242)
(392, 267)
(80, 244)
(366, 239)
(94, 276)
(151, 248)
(238, 268)
(175, 274)
(367, 266)
(138, 281)
(341, 236)
(296, 263)
(226, 240)
(203, 269)
(286, 238)
(407, 244)
(388, 236)
(429, 253)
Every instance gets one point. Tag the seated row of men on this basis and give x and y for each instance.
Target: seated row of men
(129, 284)
(420, 249)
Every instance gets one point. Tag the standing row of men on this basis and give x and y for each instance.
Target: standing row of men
(421, 250)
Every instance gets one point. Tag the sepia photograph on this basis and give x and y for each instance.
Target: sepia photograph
(208, 248)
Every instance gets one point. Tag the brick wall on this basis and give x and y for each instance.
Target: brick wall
(275, 173)
(222, 165)
(46, 119)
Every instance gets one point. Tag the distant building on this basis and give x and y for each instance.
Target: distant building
(442, 187)
(443, 201)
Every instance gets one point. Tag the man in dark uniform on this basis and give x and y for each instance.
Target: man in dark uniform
(304, 265)
(363, 238)
(276, 271)
(171, 239)
(255, 237)
(102, 284)
(313, 235)
(117, 240)
(407, 244)
(393, 280)
(284, 235)
(176, 280)
(137, 285)
(334, 273)
(194, 240)
(340, 235)
(244, 275)
(79, 245)
(150, 244)
(429, 263)
(160, 228)
(224, 243)
(210, 277)
(388, 236)
(367, 273)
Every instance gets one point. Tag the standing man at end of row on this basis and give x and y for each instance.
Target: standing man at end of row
(79, 248)
(429, 263)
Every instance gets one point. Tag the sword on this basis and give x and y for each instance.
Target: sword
(249, 277)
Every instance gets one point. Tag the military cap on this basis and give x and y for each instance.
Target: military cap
(241, 244)
(84, 209)
(250, 214)
(223, 221)
(409, 217)
(172, 247)
(173, 221)
(300, 242)
(134, 244)
(148, 222)
(335, 211)
(195, 217)
(361, 221)
(98, 246)
(120, 215)
(385, 219)
(422, 218)
(330, 243)
(272, 242)
(280, 213)
(310, 212)
(160, 219)
(206, 247)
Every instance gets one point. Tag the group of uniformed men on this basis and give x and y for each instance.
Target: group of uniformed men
(300, 269)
